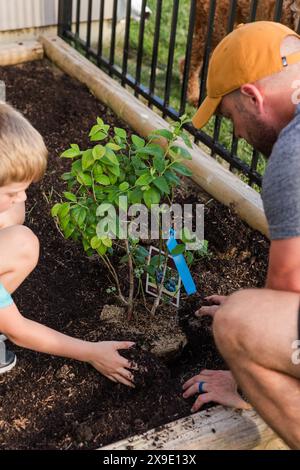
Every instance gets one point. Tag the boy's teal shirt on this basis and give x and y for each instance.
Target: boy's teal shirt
(5, 298)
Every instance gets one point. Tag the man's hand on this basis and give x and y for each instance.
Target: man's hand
(108, 361)
(219, 387)
(216, 301)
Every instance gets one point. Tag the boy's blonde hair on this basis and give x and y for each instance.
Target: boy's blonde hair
(23, 154)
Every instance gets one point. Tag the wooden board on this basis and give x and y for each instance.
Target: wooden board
(19, 52)
(215, 429)
(210, 175)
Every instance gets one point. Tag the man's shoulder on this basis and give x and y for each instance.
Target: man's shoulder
(289, 138)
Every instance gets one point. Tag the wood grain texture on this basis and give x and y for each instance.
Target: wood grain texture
(19, 52)
(215, 429)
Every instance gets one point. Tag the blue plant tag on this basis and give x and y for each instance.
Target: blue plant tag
(181, 266)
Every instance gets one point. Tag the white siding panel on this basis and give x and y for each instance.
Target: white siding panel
(19, 14)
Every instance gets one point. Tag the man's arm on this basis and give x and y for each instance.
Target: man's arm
(284, 265)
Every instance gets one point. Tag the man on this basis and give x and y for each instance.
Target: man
(254, 79)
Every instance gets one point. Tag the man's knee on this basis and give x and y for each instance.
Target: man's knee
(26, 246)
(231, 326)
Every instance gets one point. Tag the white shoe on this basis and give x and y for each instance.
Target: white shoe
(10, 362)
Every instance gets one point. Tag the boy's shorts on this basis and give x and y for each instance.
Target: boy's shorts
(5, 298)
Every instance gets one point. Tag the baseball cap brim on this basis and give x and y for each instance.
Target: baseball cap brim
(206, 111)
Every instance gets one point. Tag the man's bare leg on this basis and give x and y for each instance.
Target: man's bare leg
(255, 331)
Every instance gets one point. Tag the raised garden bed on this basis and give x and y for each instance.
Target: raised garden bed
(54, 403)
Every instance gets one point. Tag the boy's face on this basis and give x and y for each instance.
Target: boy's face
(12, 193)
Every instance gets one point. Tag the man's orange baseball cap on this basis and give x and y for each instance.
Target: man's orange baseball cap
(251, 52)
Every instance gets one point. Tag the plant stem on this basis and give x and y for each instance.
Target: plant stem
(131, 281)
(111, 269)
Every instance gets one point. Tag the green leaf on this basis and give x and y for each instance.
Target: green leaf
(100, 122)
(179, 250)
(98, 136)
(153, 150)
(181, 169)
(76, 167)
(103, 180)
(189, 258)
(136, 196)
(159, 164)
(95, 129)
(102, 250)
(111, 156)
(64, 210)
(97, 171)
(86, 244)
(142, 252)
(120, 133)
(113, 146)
(113, 178)
(144, 180)
(69, 231)
(186, 140)
(84, 179)
(98, 152)
(70, 197)
(172, 178)
(65, 222)
(79, 215)
(162, 133)
(55, 209)
(67, 177)
(162, 184)
(157, 260)
(151, 270)
(137, 141)
(180, 152)
(124, 186)
(115, 170)
(73, 152)
(96, 243)
(87, 159)
(152, 196)
(107, 242)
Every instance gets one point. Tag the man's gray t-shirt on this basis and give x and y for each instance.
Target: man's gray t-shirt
(281, 183)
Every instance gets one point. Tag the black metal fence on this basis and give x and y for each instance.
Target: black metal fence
(144, 57)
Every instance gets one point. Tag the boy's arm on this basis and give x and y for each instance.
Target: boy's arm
(103, 356)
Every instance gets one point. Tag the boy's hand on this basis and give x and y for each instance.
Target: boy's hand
(108, 361)
(216, 301)
(219, 386)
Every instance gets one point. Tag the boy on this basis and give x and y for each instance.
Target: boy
(23, 160)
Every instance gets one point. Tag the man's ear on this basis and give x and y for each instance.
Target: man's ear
(253, 95)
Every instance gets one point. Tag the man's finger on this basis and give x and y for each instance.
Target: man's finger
(190, 382)
(201, 400)
(195, 389)
(206, 311)
(207, 372)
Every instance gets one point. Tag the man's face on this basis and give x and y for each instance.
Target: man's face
(250, 126)
(12, 193)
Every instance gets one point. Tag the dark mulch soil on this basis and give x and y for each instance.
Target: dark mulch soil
(48, 403)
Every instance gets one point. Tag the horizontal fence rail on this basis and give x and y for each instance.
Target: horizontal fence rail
(161, 50)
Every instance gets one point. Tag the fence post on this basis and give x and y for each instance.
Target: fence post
(64, 16)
